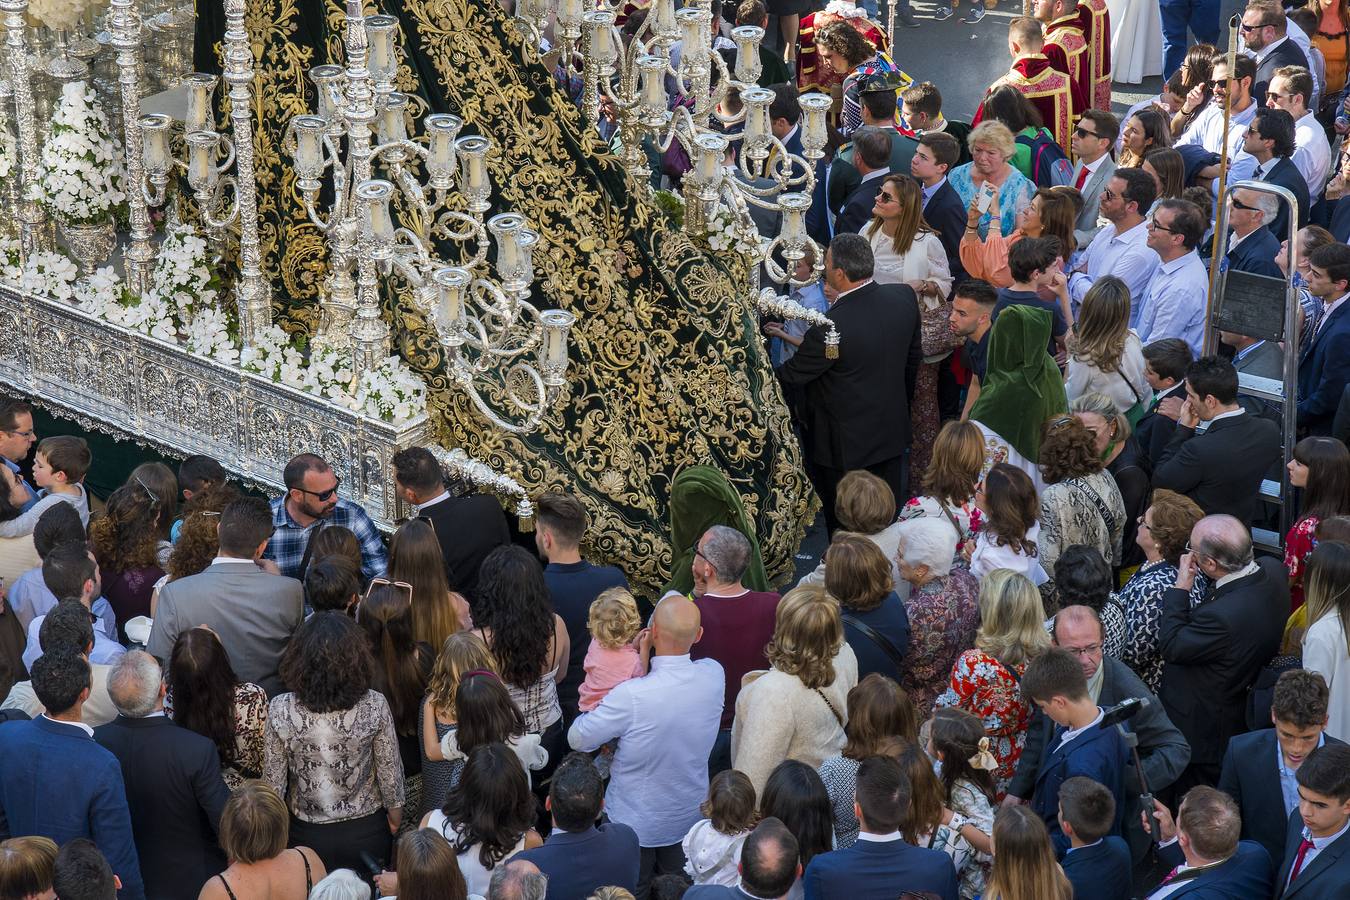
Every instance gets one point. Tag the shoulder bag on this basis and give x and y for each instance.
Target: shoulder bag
(879, 639)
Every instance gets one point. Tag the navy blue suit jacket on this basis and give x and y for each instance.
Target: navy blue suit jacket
(1100, 754)
(715, 892)
(578, 862)
(1245, 875)
(1103, 871)
(1327, 877)
(1323, 371)
(946, 214)
(56, 782)
(1286, 175)
(1256, 254)
(870, 870)
(818, 216)
(857, 211)
(1249, 776)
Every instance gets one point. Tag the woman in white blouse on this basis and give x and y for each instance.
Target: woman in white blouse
(1105, 356)
(1327, 596)
(906, 250)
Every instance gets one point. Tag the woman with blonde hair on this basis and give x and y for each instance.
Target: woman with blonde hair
(255, 835)
(1104, 354)
(460, 654)
(986, 680)
(26, 868)
(1326, 646)
(1024, 861)
(1051, 213)
(796, 709)
(865, 505)
(949, 483)
(415, 557)
(875, 623)
(991, 149)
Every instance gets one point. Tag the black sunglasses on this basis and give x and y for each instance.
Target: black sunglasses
(1083, 132)
(1158, 226)
(322, 495)
(1240, 205)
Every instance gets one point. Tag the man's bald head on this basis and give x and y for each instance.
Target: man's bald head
(769, 859)
(1077, 628)
(1224, 540)
(518, 879)
(675, 625)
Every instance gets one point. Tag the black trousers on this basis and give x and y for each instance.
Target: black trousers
(653, 861)
(340, 844)
(893, 471)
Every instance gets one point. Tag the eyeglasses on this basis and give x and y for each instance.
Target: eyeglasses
(1219, 83)
(1244, 28)
(1062, 421)
(1089, 650)
(1271, 95)
(1158, 226)
(697, 552)
(322, 495)
(1108, 194)
(1143, 523)
(23, 434)
(1083, 132)
(385, 582)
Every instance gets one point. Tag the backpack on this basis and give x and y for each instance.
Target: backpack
(1049, 165)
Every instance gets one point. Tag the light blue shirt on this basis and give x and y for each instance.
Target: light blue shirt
(1288, 781)
(30, 597)
(1126, 256)
(106, 651)
(812, 296)
(1318, 845)
(32, 494)
(1174, 304)
(665, 723)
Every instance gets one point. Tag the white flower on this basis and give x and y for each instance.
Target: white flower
(8, 153)
(80, 170)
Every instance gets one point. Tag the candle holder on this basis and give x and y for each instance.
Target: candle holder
(35, 231)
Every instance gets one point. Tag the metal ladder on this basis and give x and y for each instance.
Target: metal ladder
(1244, 312)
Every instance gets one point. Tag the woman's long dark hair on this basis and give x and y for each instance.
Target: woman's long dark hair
(328, 663)
(202, 683)
(1006, 104)
(512, 601)
(385, 615)
(795, 795)
(485, 713)
(1327, 493)
(492, 806)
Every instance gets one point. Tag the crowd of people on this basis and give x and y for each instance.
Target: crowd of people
(1042, 657)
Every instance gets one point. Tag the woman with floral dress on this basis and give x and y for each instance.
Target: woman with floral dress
(986, 680)
(949, 483)
(1164, 530)
(1321, 466)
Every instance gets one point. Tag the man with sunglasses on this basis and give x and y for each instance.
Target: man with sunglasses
(1173, 304)
(1270, 141)
(1251, 245)
(311, 502)
(1206, 129)
(16, 440)
(1265, 31)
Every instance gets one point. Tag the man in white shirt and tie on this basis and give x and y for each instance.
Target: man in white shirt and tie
(1121, 247)
(1092, 142)
(1290, 89)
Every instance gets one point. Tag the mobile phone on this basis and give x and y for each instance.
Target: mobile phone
(984, 197)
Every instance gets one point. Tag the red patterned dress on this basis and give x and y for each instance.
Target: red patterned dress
(982, 685)
(1298, 543)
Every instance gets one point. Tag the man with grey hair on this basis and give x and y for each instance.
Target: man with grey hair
(855, 412)
(737, 622)
(872, 159)
(517, 880)
(1213, 651)
(175, 792)
(1252, 247)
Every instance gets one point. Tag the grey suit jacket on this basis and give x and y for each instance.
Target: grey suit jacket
(1265, 361)
(1086, 226)
(254, 613)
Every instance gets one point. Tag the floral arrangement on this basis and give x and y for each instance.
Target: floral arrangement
(8, 153)
(50, 273)
(184, 276)
(80, 172)
(726, 231)
(61, 15)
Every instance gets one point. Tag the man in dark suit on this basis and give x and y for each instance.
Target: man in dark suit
(1097, 862)
(871, 157)
(768, 866)
(1324, 366)
(468, 526)
(1165, 363)
(1220, 469)
(1213, 652)
(1317, 849)
(1202, 843)
(582, 857)
(1254, 356)
(880, 861)
(173, 784)
(56, 782)
(878, 111)
(856, 410)
(1264, 31)
(785, 122)
(1259, 767)
(942, 207)
(1163, 750)
(253, 611)
(1252, 246)
(1054, 681)
(1270, 140)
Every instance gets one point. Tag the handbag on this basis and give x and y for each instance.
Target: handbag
(838, 718)
(1136, 412)
(879, 639)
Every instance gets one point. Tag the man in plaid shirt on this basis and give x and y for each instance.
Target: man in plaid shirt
(311, 503)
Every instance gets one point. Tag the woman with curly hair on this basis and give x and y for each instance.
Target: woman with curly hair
(415, 557)
(126, 544)
(330, 747)
(796, 709)
(206, 696)
(1164, 529)
(1105, 356)
(460, 654)
(1082, 504)
(488, 818)
(842, 48)
(529, 641)
(198, 542)
(1124, 460)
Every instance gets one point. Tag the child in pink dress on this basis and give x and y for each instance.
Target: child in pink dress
(612, 657)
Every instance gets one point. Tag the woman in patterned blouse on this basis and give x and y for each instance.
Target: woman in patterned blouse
(1321, 466)
(208, 698)
(330, 747)
(1164, 530)
(949, 483)
(987, 679)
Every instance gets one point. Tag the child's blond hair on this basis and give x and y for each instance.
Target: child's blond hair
(614, 619)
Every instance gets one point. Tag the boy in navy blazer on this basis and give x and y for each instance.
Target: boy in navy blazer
(1098, 863)
(1080, 746)
(1317, 850)
(880, 865)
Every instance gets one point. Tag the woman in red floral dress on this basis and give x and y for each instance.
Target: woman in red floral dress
(1321, 466)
